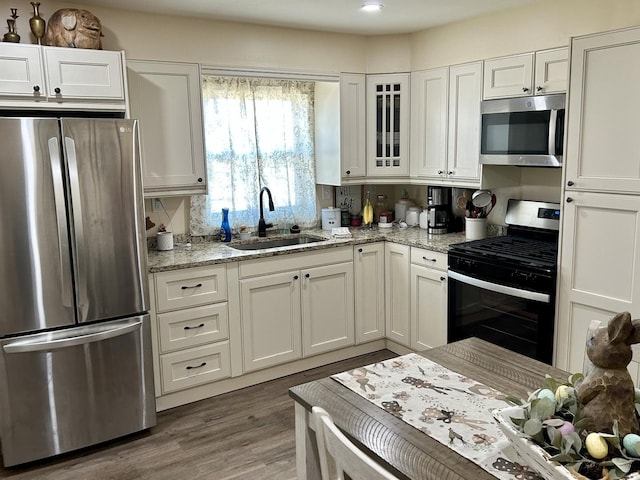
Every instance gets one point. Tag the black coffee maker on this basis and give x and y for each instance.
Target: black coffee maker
(438, 210)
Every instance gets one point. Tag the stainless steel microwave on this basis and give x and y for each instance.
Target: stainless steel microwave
(523, 131)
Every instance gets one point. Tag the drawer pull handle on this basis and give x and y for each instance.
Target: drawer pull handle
(442, 278)
(189, 367)
(430, 259)
(194, 328)
(184, 287)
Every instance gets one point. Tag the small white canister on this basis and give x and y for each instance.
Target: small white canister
(331, 218)
(424, 219)
(164, 240)
(413, 216)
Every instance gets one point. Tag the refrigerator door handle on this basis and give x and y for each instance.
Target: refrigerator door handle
(37, 345)
(76, 201)
(61, 220)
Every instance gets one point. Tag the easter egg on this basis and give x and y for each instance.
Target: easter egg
(631, 443)
(566, 428)
(546, 393)
(596, 446)
(563, 392)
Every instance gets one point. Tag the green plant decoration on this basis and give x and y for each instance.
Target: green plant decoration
(552, 421)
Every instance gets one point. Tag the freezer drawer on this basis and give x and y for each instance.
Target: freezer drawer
(65, 390)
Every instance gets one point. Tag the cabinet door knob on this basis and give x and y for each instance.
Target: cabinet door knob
(450, 172)
(570, 183)
(295, 277)
(443, 278)
(569, 199)
(359, 250)
(525, 89)
(348, 172)
(200, 179)
(539, 88)
(306, 275)
(440, 172)
(57, 90)
(36, 88)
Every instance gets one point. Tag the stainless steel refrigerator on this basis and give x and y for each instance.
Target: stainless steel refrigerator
(75, 352)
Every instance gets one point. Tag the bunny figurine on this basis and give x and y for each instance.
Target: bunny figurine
(607, 392)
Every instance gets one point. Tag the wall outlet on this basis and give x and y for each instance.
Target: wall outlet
(156, 205)
(326, 192)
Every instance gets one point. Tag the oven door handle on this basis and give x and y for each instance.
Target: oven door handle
(493, 287)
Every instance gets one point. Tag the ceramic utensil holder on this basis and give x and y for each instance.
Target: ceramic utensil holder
(165, 240)
(476, 228)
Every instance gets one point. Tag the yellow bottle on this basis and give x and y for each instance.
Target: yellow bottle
(367, 213)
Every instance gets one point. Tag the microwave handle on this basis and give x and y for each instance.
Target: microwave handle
(553, 123)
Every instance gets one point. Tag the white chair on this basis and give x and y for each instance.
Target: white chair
(338, 455)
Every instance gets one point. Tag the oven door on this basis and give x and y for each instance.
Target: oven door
(519, 320)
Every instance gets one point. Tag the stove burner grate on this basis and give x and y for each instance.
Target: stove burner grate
(524, 251)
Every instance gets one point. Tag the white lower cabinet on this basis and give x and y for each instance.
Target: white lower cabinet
(296, 305)
(397, 293)
(327, 308)
(191, 327)
(428, 299)
(196, 366)
(271, 327)
(599, 268)
(368, 269)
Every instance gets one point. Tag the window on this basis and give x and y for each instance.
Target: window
(258, 132)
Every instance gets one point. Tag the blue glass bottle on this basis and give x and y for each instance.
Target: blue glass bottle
(225, 229)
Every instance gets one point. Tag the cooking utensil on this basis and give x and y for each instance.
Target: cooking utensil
(481, 198)
(490, 206)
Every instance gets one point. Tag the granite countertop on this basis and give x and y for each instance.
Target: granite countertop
(211, 253)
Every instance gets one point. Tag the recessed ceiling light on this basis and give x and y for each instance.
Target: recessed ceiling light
(372, 6)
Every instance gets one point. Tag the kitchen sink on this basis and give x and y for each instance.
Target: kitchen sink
(277, 242)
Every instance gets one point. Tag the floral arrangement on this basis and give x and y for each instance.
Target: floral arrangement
(554, 421)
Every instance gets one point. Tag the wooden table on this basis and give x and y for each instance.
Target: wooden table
(404, 450)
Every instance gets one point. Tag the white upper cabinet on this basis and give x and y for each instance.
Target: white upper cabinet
(78, 73)
(603, 145)
(551, 73)
(535, 73)
(429, 114)
(32, 76)
(167, 100)
(463, 150)
(353, 136)
(388, 125)
(445, 124)
(508, 76)
(21, 72)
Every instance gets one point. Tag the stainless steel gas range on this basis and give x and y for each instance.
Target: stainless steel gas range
(502, 289)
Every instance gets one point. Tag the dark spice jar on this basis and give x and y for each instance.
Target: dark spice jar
(345, 217)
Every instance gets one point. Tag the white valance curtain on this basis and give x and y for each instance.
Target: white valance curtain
(258, 132)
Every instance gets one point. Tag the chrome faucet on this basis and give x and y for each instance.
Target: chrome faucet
(262, 226)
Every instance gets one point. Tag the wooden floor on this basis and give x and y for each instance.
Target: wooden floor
(246, 434)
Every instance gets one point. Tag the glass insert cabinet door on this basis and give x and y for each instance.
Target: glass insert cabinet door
(388, 125)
